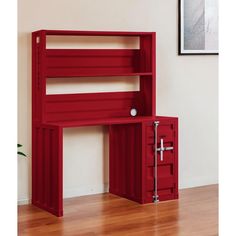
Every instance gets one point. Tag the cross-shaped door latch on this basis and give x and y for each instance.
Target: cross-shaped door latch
(161, 149)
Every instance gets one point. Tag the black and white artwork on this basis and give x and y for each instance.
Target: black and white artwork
(198, 27)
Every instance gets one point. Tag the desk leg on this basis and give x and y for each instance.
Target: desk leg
(47, 171)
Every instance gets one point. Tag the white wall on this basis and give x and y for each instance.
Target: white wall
(187, 87)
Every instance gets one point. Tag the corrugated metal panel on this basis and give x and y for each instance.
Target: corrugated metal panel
(47, 169)
(89, 106)
(167, 170)
(125, 160)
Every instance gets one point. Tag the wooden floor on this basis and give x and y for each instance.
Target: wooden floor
(195, 213)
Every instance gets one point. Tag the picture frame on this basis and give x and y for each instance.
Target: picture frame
(198, 27)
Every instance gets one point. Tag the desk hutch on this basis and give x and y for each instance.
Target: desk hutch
(143, 150)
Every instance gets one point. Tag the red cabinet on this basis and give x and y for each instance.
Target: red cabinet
(132, 160)
(166, 166)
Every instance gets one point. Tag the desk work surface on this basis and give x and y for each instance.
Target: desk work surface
(109, 121)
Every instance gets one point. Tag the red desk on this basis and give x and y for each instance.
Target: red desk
(143, 150)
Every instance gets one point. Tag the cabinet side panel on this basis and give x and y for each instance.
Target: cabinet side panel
(148, 63)
(176, 148)
(125, 161)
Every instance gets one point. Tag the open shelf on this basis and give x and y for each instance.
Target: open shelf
(93, 33)
(97, 74)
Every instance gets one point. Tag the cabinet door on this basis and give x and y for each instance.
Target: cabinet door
(167, 160)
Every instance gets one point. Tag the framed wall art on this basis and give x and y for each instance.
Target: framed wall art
(198, 27)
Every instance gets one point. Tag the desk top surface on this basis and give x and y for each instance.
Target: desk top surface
(109, 121)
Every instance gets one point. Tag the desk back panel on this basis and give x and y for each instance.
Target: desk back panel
(70, 107)
(74, 62)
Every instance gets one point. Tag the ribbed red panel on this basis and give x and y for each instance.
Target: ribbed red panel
(90, 106)
(83, 62)
(148, 63)
(125, 160)
(47, 169)
(167, 171)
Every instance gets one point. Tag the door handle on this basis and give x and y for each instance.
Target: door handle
(161, 149)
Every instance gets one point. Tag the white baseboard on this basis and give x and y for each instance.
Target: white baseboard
(197, 182)
(75, 192)
(23, 202)
(85, 190)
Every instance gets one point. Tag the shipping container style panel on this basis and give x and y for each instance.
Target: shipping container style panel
(125, 157)
(68, 107)
(89, 62)
(47, 169)
(167, 165)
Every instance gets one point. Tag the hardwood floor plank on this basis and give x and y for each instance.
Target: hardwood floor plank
(195, 213)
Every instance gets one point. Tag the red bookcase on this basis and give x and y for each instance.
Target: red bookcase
(143, 149)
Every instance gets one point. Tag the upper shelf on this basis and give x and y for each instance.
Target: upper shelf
(93, 33)
(64, 73)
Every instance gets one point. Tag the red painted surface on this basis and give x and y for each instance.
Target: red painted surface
(74, 107)
(167, 170)
(93, 62)
(95, 33)
(125, 160)
(47, 168)
(132, 150)
(131, 138)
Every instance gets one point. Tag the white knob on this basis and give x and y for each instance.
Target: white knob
(133, 112)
